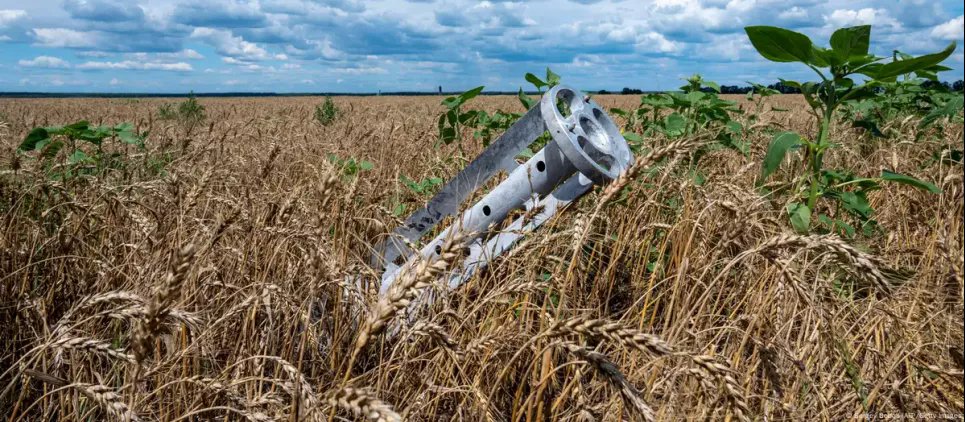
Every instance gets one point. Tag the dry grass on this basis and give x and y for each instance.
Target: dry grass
(221, 276)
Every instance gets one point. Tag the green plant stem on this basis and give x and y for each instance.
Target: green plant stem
(817, 157)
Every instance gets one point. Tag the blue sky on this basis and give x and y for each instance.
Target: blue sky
(356, 46)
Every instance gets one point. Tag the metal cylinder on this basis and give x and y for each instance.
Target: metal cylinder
(586, 148)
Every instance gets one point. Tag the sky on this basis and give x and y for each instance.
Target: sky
(176, 46)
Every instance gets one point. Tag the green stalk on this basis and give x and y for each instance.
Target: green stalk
(817, 157)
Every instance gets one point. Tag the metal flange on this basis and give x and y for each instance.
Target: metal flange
(585, 133)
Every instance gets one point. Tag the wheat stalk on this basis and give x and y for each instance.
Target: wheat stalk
(612, 331)
(634, 339)
(363, 404)
(159, 308)
(414, 276)
(91, 346)
(609, 371)
(107, 399)
(868, 267)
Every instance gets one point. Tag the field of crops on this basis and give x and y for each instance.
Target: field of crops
(204, 273)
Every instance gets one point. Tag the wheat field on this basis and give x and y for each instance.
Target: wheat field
(220, 275)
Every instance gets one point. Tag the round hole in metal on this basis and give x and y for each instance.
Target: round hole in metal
(564, 102)
(596, 134)
(540, 166)
(486, 210)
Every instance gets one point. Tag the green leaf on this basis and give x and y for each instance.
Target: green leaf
(398, 209)
(131, 138)
(632, 137)
(901, 67)
(411, 184)
(366, 165)
(950, 109)
(846, 229)
(822, 57)
(675, 124)
(470, 94)
(856, 203)
(33, 139)
(800, 216)
(552, 79)
(908, 180)
(535, 80)
(50, 147)
(870, 70)
(781, 45)
(448, 135)
(451, 102)
(78, 157)
(526, 153)
(790, 83)
(776, 152)
(525, 100)
(78, 126)
(851, 42)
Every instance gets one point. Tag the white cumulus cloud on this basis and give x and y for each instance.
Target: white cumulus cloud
(64, 37)
(49, 62)
(230, 45)
(877, 17)
(7, 16)
(951, 30)
(134, 65)
(794, 13)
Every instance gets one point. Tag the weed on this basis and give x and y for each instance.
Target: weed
(326, 112)
(49, 142)
(848, 56)
(677, 115)
(188, 111)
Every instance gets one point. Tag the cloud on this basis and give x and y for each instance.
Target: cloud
(9, 16)
(656, 43)
(951, 30)
(144, 41)
(229, 45)
(878, 18)
(135, 65)
(103, 11)
(451, 18)
(63, 37)
(316, 50)
(312, 8)
(376, 35)
(186, 54)
(454, 43)
(918, 13)
(48, 62)
(363, 70)
(220, 14)
(795, 14)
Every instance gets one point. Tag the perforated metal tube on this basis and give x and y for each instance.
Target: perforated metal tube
(586, 148)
